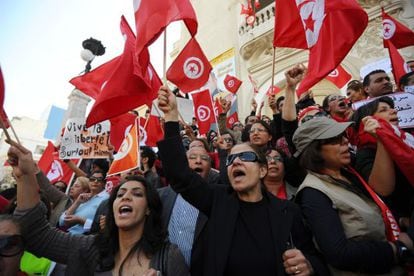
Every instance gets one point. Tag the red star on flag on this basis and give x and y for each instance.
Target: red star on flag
(309, 23)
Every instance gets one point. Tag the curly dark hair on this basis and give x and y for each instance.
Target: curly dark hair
(153, 236)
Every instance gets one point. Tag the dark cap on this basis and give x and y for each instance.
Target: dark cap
(318, 128)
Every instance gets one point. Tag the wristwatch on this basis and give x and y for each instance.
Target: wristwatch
(403, 253)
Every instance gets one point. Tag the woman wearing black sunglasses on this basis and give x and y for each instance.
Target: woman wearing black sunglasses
(353, 228)
(249, 231)
(11, 246)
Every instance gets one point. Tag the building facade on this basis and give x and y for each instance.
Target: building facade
(221, 27)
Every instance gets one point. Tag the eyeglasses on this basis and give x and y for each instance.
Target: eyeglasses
(96, 179)
(260, 130)
(309, 117)
(274, 158)
(332, 98)
(228, 140)
(247, 156)
(237, 125)
(203, 157)
(339, 139)
(11, 245)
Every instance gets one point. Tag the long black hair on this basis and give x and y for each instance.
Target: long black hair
(153, 235)
(369, 109)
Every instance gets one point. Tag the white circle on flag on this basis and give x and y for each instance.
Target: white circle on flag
(334, 73)
(231, 120)
(124, 148)
(388, 28)
(193, 67)
(230, 83)
(142, 135)
(203, 113)
(250, 20)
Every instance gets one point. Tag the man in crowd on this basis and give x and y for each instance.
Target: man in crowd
(377, 83)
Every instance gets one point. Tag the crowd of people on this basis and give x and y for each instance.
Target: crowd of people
(313, 190)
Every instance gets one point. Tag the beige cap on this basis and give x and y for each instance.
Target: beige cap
(318, 128)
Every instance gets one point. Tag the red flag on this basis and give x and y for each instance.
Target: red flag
(232, 119)
(3, 115)
(254, 84)
(399, 66)
(120, 127)
(217, 107)
(91, 83)
(124, 90)
(328, 29)
(245, 10)
(4, 118)
(191, 69)
(274, 91)
(339, 77)
(152, 17)
(127, 157)
(54, 168)
(203, 110)
(154, 131)
(232, 83)
(2, 90)
(395, 32)
(400, 145)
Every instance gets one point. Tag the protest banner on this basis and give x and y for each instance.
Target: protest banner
(81, 142)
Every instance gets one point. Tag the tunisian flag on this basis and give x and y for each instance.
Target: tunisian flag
(232, 83)
(53, 167)
(395, 32)
(399, 66)
(328, 29)
(124, 90)
(92, 82)
(400, 145)
(273, 90)
(203, 110)
(127, 157)
(154, 131)
(3, 115)
(120, 127)
(153, 16)
(191, 69)
(339, 77)
(232, 119)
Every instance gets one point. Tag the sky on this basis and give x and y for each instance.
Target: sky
(41, 43)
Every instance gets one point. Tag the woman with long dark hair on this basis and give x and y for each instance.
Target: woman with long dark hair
(133, 241)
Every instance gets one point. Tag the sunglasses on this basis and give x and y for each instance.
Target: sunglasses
(96, 179)
(274, 158)
(11, 245)
(247, 156)
(339, 139)
(310, 117)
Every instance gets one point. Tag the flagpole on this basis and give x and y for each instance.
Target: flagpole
(164, 65)
(273, 68)
(5, 130)
(14, 132)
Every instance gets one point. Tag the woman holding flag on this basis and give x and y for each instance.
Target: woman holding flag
(353, 227)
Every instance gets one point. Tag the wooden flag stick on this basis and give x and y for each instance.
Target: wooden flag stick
(5, 130)
(273, 68)
(164, 65)
(14, 132)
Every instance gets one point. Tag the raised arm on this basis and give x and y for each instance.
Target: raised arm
(40, 238)
(293, 77)
(382, 177)
(175, 165)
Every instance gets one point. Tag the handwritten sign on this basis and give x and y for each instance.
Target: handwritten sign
(404, 104)
(81, 142)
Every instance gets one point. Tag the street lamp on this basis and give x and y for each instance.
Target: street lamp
(91, 48)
